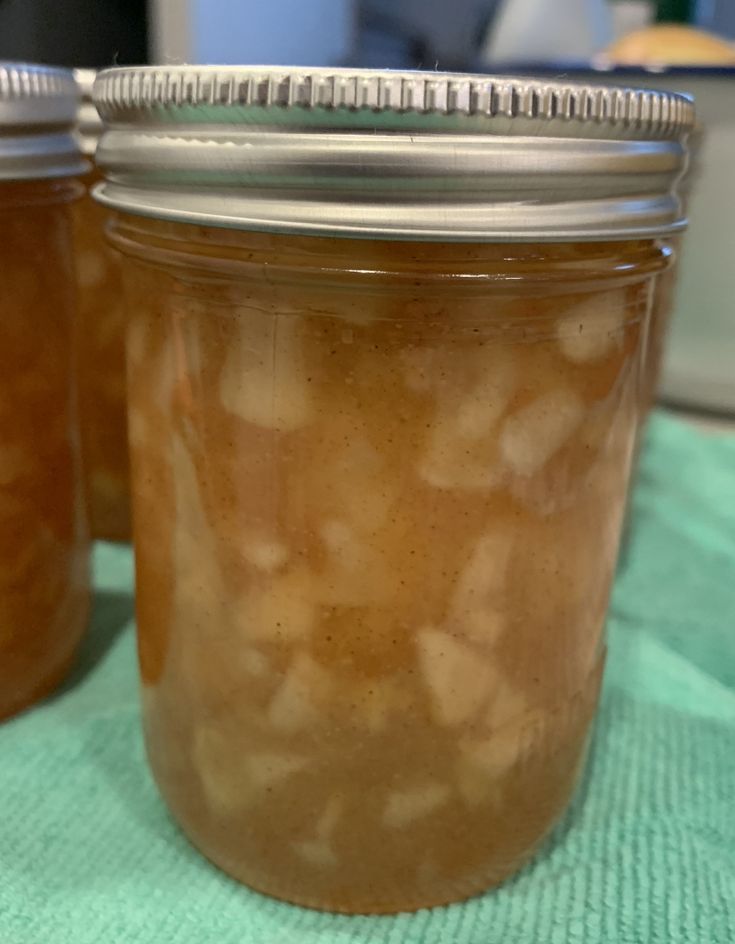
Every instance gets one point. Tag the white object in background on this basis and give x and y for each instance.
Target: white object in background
(248, 32)
(631, 15)
(548, 31)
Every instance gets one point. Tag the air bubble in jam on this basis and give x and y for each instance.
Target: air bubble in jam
(378, 695)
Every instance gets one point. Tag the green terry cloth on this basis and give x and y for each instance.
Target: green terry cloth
(646, 855)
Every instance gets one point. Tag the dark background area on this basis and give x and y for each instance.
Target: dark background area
(84, 33)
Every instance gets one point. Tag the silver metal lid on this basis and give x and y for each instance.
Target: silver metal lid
(89, 123)
(414, 155)
(38, 107)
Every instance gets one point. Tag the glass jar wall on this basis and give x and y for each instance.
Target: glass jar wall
(378, 490)
(101, 372)
(44, 592)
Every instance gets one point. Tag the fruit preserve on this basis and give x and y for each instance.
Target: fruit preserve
(101, 367)
(378, 487)
(44, 577)
(101, 373)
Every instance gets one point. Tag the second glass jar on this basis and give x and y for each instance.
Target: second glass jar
(101, 348)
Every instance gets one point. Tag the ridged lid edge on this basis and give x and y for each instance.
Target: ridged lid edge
(38, 106)
(23, 82)
(130, 93)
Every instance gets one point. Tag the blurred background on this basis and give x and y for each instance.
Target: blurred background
(684, 45)
(448, 34)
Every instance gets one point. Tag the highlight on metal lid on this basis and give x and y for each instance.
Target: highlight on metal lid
(410, 155)
(89, 123)
(38, 107)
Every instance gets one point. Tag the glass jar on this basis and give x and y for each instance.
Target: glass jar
(43, 539)
(381, 423)
(101, 367)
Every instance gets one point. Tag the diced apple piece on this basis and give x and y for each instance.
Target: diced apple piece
(232, 780)
(483, 625)
(403, 807)
(264, 378)
(459, 681)
(592, 328)
(327, 822)
(451, 462)
(297, 702)
(254, 661)
(91, 268)
(138, 429)
(483, 764)
(356, 574)
(270, 768)
(460, 450)
(476, 606)
(507, 704)
(418, 369)
(342, 542)
(479, 411)
(484, 576)
(532, 435)
(375, 700)
(264, 553)
(317, 852)
(347, 475)
(218, 771)
(281, 609)
(199, 582)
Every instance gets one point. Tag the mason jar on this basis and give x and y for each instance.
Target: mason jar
(385, 358)
(101, 366)
(43, 536)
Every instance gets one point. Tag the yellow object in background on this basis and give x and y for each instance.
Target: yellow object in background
(670, 44)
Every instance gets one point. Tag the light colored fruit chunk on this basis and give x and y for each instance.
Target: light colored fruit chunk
(356, 573)
(296, 705)
(373, 701)
(254, 662)
(450, 462)
(460, 452)
(346, 475)
(532, 435)
(264, 553)
(478, 412)
(232, 778)
(282, 609)
(476, 607)
(318, 850)
(592, 328)
(199, 583)
(405, 806)
(459, 681)
(484, 764)
(507, 703)
(264, 378)
(418, 368)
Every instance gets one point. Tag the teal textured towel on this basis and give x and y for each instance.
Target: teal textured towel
(646, 855)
